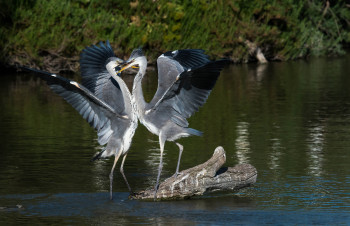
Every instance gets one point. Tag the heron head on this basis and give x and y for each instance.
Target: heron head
(113, 65)
(137, 59)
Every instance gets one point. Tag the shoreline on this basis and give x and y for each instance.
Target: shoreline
(50, 34)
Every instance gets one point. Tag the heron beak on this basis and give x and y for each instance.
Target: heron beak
(126, 65)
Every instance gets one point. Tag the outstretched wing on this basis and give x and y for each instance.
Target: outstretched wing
(95, 111)
(96, 78)
(190, 91)
(171, 64)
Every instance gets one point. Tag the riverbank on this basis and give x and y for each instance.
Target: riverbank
(51, 34)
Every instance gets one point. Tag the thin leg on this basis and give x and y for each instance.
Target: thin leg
(181, 148)
(111, 175)
(161, 143)
(122, 172)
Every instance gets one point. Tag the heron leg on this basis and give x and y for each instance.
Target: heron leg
(111, 175)
(161, 143)
(122, 172)
(181, 148)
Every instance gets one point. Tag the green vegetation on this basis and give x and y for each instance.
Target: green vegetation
(40, 32)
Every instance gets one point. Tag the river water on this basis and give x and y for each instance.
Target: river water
(291, 120)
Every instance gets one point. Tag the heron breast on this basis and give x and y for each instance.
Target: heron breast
(129, 134)
(150, 126)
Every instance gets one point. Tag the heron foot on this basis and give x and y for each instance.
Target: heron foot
(131, 193)
(176, 174)
(155, 192)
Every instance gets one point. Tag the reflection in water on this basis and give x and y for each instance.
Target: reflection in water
(99, 173)
(315, 149)
(260, 71)
(153, 159)
(275, 155)
(303, 167)
(257, 73)
(242, 142)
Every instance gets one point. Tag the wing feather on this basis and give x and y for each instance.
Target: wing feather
(96, 78)
(171, 64)
(95, 111)
(190, 91)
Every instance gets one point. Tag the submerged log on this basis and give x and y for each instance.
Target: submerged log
(207, 177)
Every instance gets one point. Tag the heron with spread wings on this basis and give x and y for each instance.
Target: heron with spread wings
(185, 80)
(103, 100)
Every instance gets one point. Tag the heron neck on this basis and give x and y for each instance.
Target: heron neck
(137, 92)
(126, 93)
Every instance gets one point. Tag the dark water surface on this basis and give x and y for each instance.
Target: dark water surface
(290, 120)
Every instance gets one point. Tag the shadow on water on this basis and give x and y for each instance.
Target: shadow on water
(290, 120)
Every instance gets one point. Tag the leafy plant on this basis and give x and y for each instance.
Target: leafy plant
(283, 29)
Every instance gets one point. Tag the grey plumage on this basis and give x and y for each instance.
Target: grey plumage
(185, 79)
(105, 103)
(96, 78)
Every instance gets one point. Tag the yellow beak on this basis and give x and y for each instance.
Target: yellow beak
(127, 65)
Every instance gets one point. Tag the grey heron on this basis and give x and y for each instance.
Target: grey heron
(105, 103)
(185, 80)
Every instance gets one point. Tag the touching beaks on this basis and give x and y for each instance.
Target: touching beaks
(126, 65)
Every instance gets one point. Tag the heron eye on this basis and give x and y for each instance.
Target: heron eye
(117, 69)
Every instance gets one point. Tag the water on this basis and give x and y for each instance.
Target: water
(290, 120)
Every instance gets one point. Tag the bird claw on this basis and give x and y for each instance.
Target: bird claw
(131, 194)
(155, 192)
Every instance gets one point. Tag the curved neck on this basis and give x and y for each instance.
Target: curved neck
(137, 92)
(125, 91)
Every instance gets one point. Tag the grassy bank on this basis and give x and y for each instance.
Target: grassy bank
(51, 33)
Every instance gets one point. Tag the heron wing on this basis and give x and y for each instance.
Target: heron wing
(95, 111)
(172, 63)
(96, 78)
(190, 91)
